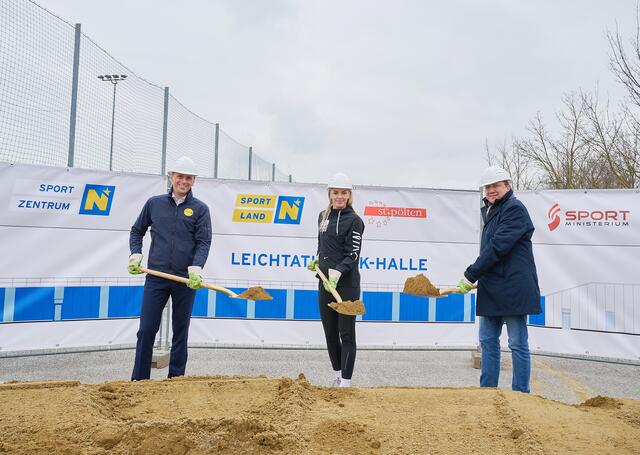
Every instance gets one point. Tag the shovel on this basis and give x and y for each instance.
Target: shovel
(348, 307)
(254, 293)
(421, 286)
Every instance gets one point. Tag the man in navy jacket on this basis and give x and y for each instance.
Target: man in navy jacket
(180, 241)
(507, 280)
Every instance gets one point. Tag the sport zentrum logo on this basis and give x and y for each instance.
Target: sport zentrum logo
(554, 217)
(379, 214)
(587, 218)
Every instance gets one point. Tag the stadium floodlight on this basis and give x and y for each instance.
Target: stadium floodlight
(114, 79)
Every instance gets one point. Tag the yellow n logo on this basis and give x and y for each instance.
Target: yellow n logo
(289, 210)
(97, 200)
(93, 199)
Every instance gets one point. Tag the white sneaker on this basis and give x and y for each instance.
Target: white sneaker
(336, 382)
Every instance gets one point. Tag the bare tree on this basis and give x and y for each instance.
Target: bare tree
(628, 153)
(511, 158)
(613, 138)
(592, 148)
(559, 160)
(590, 145)
(625, 64)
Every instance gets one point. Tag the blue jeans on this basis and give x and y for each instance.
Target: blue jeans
(490, 330)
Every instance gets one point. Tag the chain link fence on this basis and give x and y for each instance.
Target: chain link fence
(56, 110)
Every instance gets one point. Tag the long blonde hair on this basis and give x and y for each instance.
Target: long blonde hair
(327, 211)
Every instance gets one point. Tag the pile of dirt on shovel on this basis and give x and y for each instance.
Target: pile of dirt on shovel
(420, 285)
(349, 308)
(256, 293)
(260, 415)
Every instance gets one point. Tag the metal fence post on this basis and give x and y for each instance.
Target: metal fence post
(250, 157)
(273, 172)
(290, 179)
(215, 151)
(165, 123)
(74, 97)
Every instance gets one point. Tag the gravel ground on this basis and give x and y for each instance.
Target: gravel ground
(566, 380)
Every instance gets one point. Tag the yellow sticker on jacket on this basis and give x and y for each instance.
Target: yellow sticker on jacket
(188, 212)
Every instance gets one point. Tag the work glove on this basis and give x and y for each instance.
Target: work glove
(312, 265)
(134, 264)
(464, 285)
(332, 282)
(195, 277)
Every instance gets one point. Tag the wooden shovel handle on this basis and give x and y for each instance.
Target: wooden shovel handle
(180, 279)
(331, 288)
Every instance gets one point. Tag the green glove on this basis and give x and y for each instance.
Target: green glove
(329, 284)
(312, 265)
(134, 264)
(464, 285)
(195, 277)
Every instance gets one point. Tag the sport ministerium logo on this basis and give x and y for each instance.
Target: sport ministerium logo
(554, 216)
(587, 218)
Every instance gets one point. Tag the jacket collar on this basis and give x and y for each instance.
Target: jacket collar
(498, 202)
(347, 209)
(188, 197)
(494, 207)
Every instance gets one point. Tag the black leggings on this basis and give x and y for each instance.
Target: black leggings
(339, 330)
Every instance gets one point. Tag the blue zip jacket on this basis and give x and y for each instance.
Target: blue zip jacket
(505, 269)
(180, 235)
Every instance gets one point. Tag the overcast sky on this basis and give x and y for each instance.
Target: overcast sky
(394, 93)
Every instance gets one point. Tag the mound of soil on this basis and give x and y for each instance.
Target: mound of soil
(602, 402)
(258, 415)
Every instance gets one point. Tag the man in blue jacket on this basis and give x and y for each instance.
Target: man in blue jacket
(180, 241)
(507, 280)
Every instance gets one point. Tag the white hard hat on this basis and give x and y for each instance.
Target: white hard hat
(184, 165)
(341, 181)
(493, 174)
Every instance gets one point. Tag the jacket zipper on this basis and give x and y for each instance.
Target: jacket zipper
(173, 234)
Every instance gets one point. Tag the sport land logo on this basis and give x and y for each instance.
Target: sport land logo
(587, 218)
(268, 208)
(378, 214)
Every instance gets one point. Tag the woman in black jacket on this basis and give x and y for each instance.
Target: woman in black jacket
(340, 232)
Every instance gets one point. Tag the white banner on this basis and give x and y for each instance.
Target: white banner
(587, 248)
(65, 235)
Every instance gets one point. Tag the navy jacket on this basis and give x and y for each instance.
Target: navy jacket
(505, 270)
(339, 244)
(180, 235)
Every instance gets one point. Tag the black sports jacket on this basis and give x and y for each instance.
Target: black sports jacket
(339, 243)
